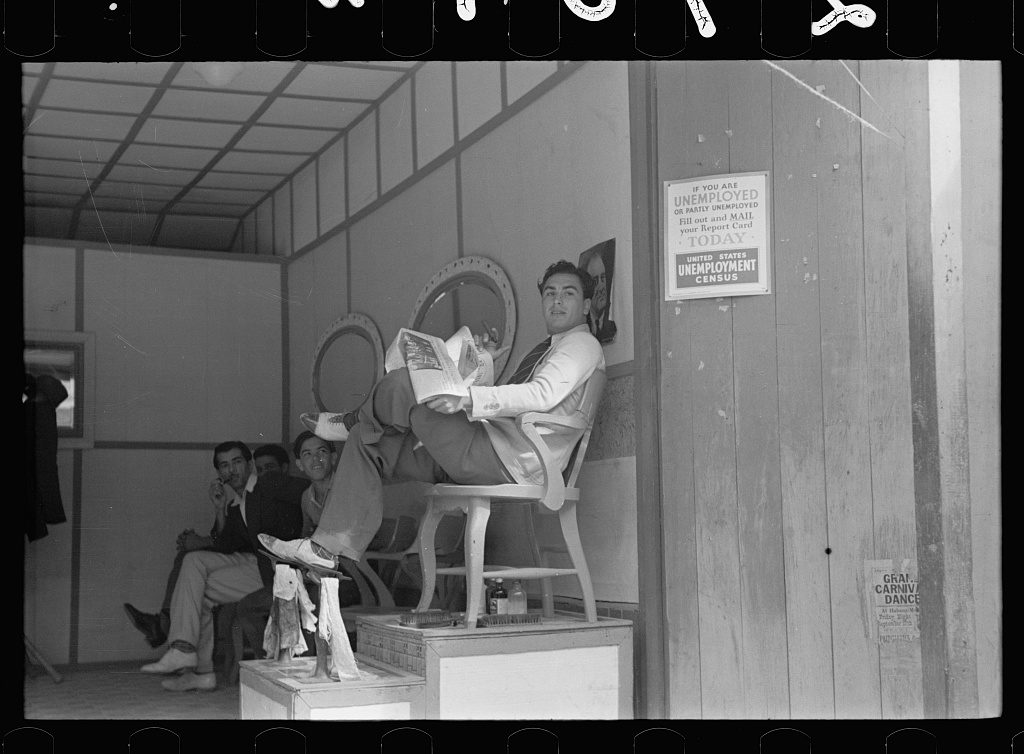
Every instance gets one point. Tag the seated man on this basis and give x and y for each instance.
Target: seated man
(245, 506)
(316, 458)
(154, 625)
(472, 440)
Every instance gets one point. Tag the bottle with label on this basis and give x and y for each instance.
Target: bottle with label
(517, 599)
(485, 608)
(499, 599)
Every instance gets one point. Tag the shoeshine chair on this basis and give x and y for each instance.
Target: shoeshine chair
(558, 494)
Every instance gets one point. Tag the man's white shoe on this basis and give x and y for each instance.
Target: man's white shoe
(191, 682)
(172, 661)
(326, 425)
(296, 549)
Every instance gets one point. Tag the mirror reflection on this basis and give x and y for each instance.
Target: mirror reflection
(471, 291)
(349, 359)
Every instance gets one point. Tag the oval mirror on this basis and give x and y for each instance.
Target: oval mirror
(347, 362)
(471, 291)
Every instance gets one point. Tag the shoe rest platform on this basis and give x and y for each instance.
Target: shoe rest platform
(274, 690)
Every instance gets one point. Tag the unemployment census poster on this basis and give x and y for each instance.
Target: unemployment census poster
(716, 236)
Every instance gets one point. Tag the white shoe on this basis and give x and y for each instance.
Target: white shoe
(172, 661)
(300, 550)
(191, 682)
(326, 426)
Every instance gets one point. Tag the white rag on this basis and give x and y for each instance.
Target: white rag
(332, 631)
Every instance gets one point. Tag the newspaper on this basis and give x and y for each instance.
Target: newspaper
(440, 367)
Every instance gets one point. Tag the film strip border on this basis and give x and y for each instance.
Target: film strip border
(488, 29)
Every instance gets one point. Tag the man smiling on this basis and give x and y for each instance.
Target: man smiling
(470, 440)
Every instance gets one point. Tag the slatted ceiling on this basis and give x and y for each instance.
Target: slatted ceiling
(296, 111)
(104, 97)
(262, 78)
(228, 196)
(147, 73)
(211, 208)
(184, 149)
(330, 81)
(160, 157)
(219, 179)
(49, 199)
(217, 104)
(65, 168)
(143, 174)
(79, 124)
(270, 138)
(136, 191)
(260, 162)
(91, 150)
(186, 133)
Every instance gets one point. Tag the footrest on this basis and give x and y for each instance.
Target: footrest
(305, 567)
(511, 573)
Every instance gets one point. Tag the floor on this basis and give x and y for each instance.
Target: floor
(120, 692)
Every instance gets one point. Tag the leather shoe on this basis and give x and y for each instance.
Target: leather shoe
(327, 426)
(300, 550)
(172, 661)
(148, 624)
(191, 682)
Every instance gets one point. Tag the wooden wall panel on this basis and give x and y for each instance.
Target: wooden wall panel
(888, 358)
(755, 383)
(801, 438)
(684, 683)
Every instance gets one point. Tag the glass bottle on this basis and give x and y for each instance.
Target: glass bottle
(499, 599)
(517, 599)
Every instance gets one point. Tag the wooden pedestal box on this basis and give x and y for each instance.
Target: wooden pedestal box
(561, 668)
(270, 690)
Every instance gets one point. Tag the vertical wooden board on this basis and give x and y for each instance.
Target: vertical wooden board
(888, 359)
(755, 374)
(682, 634)
(713, 425)
(105, 311)
(979, 91)
(845, 389)
(801, 441)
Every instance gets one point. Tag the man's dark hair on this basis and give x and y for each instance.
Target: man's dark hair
(230, 445)
(305, 435)
(278, 453)
(564, 265)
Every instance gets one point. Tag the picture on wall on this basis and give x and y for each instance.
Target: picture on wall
(599, 261)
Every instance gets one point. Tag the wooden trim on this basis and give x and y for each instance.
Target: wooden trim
(947, 252)
(927, 483)
(652, 659)
(76, 555)
(286, 403)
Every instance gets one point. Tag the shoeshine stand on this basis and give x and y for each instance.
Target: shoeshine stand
(559, 668)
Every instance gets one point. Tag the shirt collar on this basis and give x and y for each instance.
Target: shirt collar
(579, 328)
(249, 485)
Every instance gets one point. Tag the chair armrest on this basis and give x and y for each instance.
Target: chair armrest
(554, 484)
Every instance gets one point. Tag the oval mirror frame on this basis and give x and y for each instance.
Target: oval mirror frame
(482, 271)
(349, 324)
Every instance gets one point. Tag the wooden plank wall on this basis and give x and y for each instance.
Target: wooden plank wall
(786, 420)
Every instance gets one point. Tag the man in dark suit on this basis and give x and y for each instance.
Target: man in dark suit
(245, 506)
(154, 626)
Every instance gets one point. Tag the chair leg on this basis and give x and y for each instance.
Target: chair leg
(571, 534)
(237, 652)
(476, 530)
(428, 559)
(547, 597)
(384, 597)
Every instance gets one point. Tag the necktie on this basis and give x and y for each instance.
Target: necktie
(525, 369)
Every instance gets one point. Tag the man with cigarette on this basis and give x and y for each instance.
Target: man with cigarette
(245, 506)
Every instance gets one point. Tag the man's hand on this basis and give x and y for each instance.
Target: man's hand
(193, 541)
(490, 341)
(180, 541)
(218, 495)
(449, 404)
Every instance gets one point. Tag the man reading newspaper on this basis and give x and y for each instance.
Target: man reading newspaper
(437, 367)
(466, 437)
